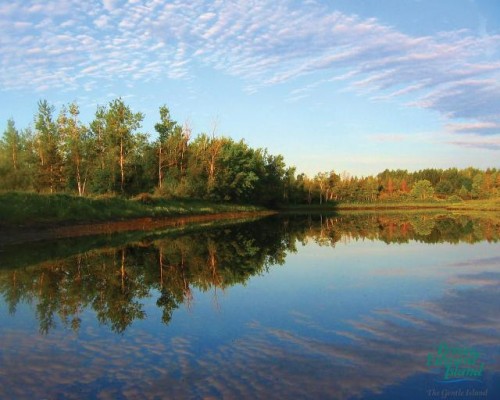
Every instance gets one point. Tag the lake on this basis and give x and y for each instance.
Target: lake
(340, 306)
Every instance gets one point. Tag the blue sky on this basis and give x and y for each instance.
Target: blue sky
(355, 86)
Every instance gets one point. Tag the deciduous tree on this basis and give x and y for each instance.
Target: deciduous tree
(77, 146)
(48, 146)
(422, 190)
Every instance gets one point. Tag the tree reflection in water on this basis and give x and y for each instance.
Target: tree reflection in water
(114, 280)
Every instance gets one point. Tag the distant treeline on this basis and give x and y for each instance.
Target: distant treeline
(110, 155)
(400, 185)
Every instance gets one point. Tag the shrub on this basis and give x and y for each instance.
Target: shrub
(144, 198)
(455, 199)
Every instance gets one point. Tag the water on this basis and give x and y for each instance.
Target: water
(319, 307)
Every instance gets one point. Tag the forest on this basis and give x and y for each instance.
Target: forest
(110, 155)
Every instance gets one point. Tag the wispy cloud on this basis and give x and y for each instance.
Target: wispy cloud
(474, 141)
(69, 45)
(483, 128)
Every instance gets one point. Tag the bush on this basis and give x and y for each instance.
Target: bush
(104, 196)
(455, 199)
(422, 190)
(144, 198)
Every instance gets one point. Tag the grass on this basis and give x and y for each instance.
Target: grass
(477, 205)
(23, 208)
(467, 205)
(19, 208)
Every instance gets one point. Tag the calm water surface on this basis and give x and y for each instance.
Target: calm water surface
(313, 307)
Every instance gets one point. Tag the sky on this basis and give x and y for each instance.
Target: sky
(344, 85)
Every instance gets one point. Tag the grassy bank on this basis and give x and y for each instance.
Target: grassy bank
(477, 205)
(17, 208)
(50, 247)
(22, 208)
(467, 205)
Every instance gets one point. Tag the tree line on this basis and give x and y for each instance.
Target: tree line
(60, 153)
(401, 185)
(110, 155)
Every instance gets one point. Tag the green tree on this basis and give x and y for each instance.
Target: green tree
(11, 144)
(175, 157)
(48, 143)
(321, 181)
(120, 136)
(444, 188)
(237, 177)
(142, 166)
(289, 182)
(369, 187)
(103, 177)
(77, 146)
(422, 190)
(206, 152)
(274, 179)
(464, 193)
(98, 131)
(11, 157)
(165, 129)
(478, 186)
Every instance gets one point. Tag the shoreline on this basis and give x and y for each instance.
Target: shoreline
(12, 235)
(28, 217)
(470, 205)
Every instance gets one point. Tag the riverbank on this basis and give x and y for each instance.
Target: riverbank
(23, 209)
(107, 233)
(28, 217)
(466, 205)
(19, 209)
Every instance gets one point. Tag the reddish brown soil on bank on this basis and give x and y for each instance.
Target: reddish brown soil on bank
(23, 234)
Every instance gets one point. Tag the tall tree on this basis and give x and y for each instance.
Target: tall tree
(207, 152)
(103, 176)
(165, 129)
(289, 183)
(121, 126)
(237, 172)
(77, 146)
(11, 144)
(321, 180)
(422, 190)
(98, 130)
(10, 157)
(478, 186)
(48, 141)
